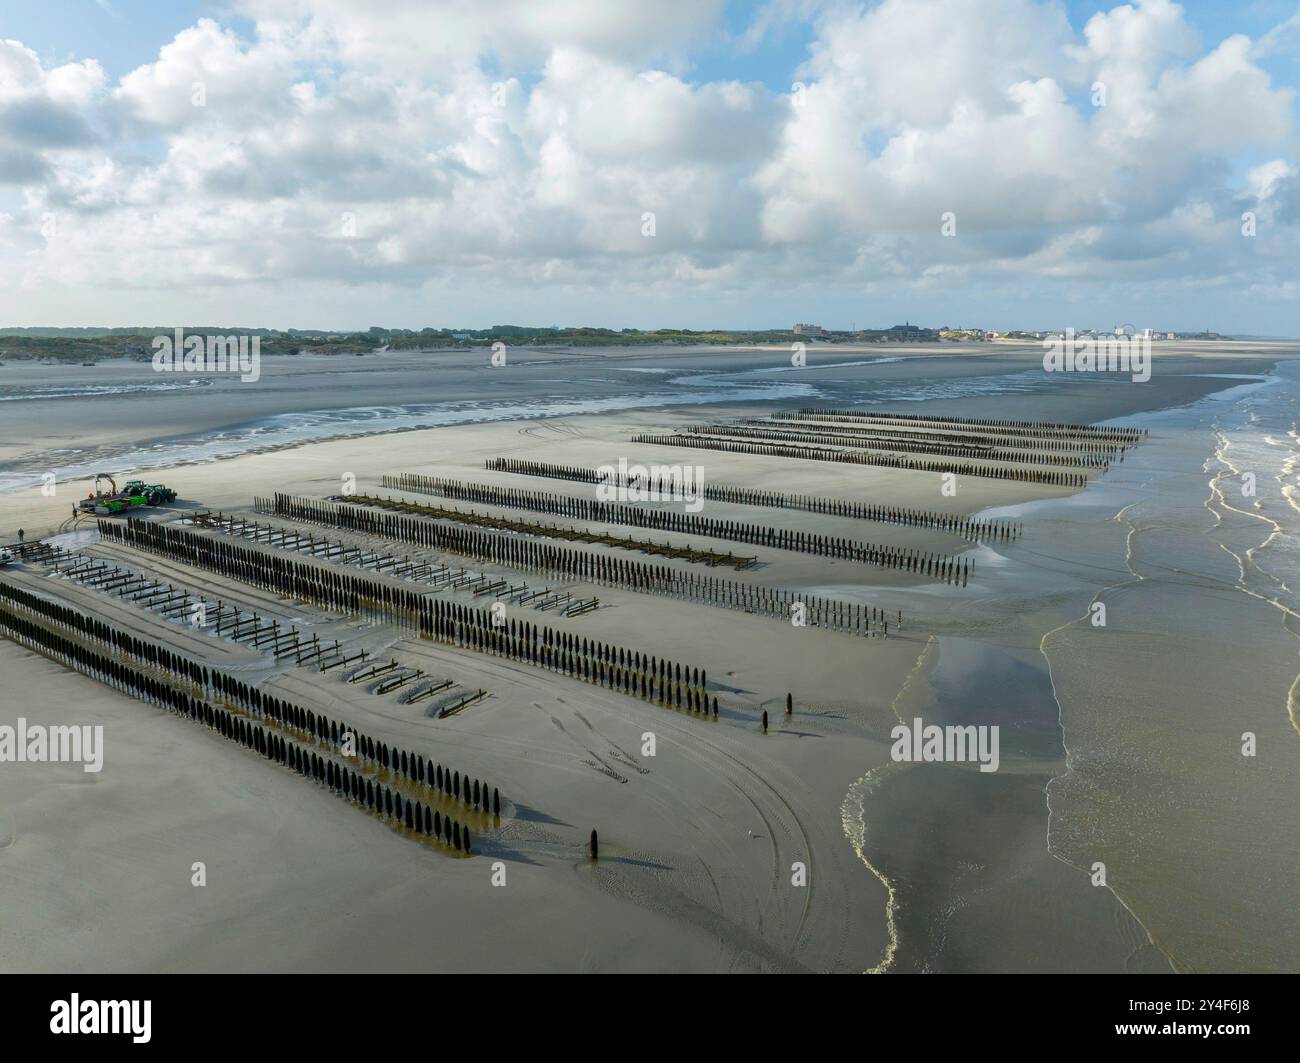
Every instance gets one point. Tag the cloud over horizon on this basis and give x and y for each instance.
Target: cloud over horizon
(314, 163)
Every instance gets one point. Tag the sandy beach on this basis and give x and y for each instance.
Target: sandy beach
(808, 848)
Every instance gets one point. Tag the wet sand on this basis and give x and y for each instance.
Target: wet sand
(1119, 745)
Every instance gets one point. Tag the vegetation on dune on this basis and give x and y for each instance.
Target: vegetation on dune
(136, 342)
(92, 344)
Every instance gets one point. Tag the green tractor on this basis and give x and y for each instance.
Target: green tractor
(134, 494)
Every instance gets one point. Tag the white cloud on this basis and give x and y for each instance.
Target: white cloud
(42, 111)
(206, 73)
(437, 39)
(519, 145)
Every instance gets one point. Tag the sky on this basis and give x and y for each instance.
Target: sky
(339, 164)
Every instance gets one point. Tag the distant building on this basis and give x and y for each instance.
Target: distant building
(809, 330)
(908, 331)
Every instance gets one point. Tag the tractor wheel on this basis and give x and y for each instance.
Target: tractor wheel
(153, 498)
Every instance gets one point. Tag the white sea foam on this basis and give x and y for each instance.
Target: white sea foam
(291, 429)
(38, 392)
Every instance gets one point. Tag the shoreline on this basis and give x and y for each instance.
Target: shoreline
(953, 869)
(1062, 711)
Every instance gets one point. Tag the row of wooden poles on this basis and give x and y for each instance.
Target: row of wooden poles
(976, 437)
(841, 438)
(1038, 429)
(664, 484)
(853, 457)
(517, 553)
(712, 558)
(668, 683)
(165, 686)
(172, 602)
(593, 510)
(248, 628)
(434, 576)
